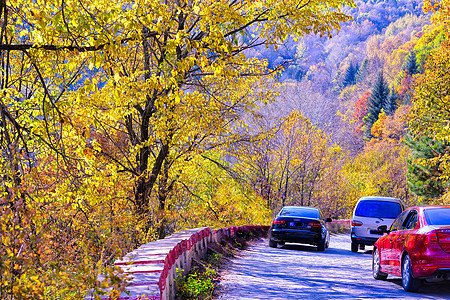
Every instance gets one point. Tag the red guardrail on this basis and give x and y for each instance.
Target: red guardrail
(151, 269)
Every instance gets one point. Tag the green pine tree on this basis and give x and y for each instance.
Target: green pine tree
(424, 179)
(362, 70)
(410, 64)
(350, 75)
(378, 100)
(391, 104)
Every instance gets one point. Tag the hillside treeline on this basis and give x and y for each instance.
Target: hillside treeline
(125, 121)
(369, 93)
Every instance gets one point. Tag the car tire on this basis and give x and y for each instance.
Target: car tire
(321, 246)
(272, 244)
(282, 243)
(376, 266)
(355, 247)
(410, 284)
(327, 244)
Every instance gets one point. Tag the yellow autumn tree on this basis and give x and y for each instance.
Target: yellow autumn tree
(289, 166)
(212, 193)
(100, 100)
(301, 157)
(381, 168)
(158, 73)
(376, 129)
(431, 100)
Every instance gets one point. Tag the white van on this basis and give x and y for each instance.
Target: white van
(369, 213)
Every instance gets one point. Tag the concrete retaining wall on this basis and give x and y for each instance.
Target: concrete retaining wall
(151, 269)
(339, 225)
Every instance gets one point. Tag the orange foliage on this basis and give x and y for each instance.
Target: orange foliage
(361, 110)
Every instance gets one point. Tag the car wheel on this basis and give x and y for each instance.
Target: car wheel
(355, 247)
(282, 243)
(321, 246)
(272, 244)
(327, 244)
(376, 268)
(410, 284)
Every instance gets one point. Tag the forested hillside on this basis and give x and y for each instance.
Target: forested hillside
(125, 121)
(358, 89)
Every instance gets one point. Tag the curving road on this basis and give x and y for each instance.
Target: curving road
(300, 272)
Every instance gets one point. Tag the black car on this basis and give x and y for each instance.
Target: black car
(300, 224)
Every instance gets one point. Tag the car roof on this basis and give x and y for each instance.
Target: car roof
(297, 206)
(424, 207)
(380, 198)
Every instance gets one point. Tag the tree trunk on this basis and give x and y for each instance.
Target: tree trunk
(162, 196)
(144, 185)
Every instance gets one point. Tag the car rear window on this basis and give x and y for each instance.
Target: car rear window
(300, 212)
(437, 216)
(378, 209)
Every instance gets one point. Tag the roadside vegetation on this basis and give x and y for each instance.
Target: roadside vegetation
(116, 118)
(202, 282)
(124, 121)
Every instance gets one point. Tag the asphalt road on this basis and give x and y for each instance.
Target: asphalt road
(301, 272)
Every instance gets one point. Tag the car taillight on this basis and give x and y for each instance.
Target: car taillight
(443, 236)
(432, 238)
(279, 222)
(356, 223)
(315, 224)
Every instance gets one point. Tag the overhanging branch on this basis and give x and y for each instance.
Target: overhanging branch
(23, 47)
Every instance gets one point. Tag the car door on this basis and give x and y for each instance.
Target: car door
(400, 238)
(386, 251)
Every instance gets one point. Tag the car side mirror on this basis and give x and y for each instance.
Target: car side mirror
(328, 220)
(383, 229)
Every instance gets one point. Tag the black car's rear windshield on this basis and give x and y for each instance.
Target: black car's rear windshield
(300, 212)
(437, 216)
(378, 209)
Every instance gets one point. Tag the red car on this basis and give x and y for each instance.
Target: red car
(416, 247)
